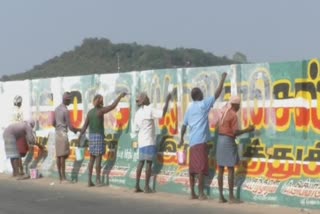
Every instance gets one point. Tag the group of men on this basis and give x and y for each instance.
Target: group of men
(196, 119)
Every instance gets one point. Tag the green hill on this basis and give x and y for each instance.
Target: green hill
(101, 56)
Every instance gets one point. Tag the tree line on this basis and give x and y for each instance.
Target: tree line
(99, 56)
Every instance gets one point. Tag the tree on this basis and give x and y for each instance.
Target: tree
(239, 57)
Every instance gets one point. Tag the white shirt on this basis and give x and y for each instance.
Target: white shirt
(17, 115)
(144, 125)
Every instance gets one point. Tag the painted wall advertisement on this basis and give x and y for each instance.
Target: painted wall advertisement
(280, 161)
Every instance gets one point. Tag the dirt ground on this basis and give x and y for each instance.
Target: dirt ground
(123, 193)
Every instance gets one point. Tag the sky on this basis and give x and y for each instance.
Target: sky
(35, 31)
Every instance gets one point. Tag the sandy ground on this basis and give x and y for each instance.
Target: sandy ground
(181, 200)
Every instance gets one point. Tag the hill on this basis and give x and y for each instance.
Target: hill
(96, 56)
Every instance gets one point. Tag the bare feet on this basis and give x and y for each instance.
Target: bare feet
(222, 200)
(99, 184)
(192, 197)
(65, 182)
(203, 197)
(234, 201)
(148, 190)
(23, 177)
(90, 184)
(137, 190)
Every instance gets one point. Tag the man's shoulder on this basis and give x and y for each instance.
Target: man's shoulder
(209, 99)
(58, 107)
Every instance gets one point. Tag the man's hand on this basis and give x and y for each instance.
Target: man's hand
(123, 94)
(181, 143)
(224, 75)
(251, 128)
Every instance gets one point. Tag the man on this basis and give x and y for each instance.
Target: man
(22, 144)
(62, 123)
(95, 121)
(196, 118)
(11, 134)
(145, 127)
(227, 152)
(17, 111)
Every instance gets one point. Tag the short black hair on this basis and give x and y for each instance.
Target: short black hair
(195, 93)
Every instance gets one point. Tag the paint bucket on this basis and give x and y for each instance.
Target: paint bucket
(83, 141)
(34, 173)
(80, 153)
(181, 157)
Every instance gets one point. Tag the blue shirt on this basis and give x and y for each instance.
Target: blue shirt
(196, 119)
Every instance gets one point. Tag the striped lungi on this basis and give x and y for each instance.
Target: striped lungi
(96, 144)
(147, 152)
(227, 151)
(199, 159)
(10, 144)
(62, 144)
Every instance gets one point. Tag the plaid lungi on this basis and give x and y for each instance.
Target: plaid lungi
(11, 148)
(96, 144)
(199, 159)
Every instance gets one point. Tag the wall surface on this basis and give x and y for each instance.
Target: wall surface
(280, 161)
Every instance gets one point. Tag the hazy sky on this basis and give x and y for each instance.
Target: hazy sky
(33, 31)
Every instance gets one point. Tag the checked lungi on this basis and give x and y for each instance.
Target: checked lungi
(97, 145)
(199, 159)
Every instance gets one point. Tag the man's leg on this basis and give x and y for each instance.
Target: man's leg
(58, 161)
(138, 175)
(192, 182)
(147, 188)
(98, 170)
(20, 167)
(13, 172)
(202, 196)
(15, 166)
(231, 185)
(63, 167)
(92, 159)
(220, 184)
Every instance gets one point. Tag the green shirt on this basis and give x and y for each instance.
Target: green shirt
(95, 122)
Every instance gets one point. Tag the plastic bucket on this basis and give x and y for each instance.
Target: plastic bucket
(181, 157)
(34, 173)
(80, 153)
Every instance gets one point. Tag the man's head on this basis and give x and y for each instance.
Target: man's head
(31, 122)
(66, 98)
(235, 102)
(196, 94)
(142, 99)
(17, 101)
(98, 101)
